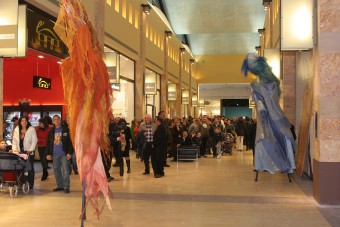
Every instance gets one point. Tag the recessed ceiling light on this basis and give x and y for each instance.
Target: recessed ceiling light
(40, 56)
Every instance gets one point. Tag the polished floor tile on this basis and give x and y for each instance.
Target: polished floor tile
(207, 192)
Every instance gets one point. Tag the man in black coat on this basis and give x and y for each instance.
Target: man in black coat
(164, 121)
(158, 153)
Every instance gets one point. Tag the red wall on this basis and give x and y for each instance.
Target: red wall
(18, 80)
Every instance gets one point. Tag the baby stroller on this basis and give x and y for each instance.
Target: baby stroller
(13, 173)
(227, 144)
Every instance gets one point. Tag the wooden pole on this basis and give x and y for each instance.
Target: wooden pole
(83, 211)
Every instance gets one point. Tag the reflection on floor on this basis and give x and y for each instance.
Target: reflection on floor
(209, 192)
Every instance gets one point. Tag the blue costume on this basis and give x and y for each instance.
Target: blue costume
(274, 141)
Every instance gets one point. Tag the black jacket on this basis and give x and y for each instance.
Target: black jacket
(65, 140)
(159, 142)
(185, 142)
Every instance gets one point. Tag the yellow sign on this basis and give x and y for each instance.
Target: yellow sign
(41, 82)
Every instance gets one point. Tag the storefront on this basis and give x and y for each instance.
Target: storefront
(122, 78)
(152, 88)
(32, 85)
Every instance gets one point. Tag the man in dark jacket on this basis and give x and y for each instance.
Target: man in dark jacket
(164, 122)
(214, 125)
(59, 146)
(158, 153)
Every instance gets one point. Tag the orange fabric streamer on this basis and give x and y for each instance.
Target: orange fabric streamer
(87, 93)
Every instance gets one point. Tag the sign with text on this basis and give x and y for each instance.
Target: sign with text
(42, 37)
(42, 82)
(150, 89)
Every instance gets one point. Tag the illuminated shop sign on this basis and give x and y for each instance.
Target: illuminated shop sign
(115, 86)
(41, 82)
(42, 37)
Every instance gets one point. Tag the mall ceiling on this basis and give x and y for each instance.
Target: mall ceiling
(214, 27)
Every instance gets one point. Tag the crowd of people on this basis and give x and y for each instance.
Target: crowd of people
(153, 140)
(53, 140)
(158, 139)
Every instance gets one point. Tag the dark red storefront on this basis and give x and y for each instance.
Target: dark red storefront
(43, 57)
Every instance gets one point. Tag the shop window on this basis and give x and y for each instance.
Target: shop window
(127, 67)
(117, 5)
(123, 104)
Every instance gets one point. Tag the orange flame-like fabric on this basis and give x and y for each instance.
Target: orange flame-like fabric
(87, 94)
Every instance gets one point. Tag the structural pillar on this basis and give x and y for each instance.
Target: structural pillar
(190, 91)
(178, 102)
(140, 68)
(326, 103)
(164, 79)
(288, 85)
(99, 21)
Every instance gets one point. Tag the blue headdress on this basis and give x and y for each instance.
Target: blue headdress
(260, 68)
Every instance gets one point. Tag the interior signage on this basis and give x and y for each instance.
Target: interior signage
(185, 100)
(172, 95)
(42, 37)
(41, 82)
(115, 86)
(150, 89)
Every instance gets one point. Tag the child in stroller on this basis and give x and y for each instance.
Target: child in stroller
(14, 169)
(227, 144)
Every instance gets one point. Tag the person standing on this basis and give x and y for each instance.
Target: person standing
(205, 136)
(15, 121)
(125, 149)
(133, 138)
(240, 131)
(59, 146)
(176, 135)
(147, 128)
(72, 162)
(158, 153)
(217, 123)
(42, 131)
(165, 123)
(24, 141)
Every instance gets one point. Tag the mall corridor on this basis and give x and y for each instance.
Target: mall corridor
(209, 192)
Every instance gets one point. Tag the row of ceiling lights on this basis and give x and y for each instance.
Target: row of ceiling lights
(261, 31)
(146, 9)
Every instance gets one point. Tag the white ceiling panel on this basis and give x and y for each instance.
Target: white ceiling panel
(217, 26)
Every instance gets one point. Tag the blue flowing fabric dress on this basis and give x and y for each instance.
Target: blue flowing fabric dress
(274, 143)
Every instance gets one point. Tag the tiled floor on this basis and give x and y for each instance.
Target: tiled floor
(210, 192)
